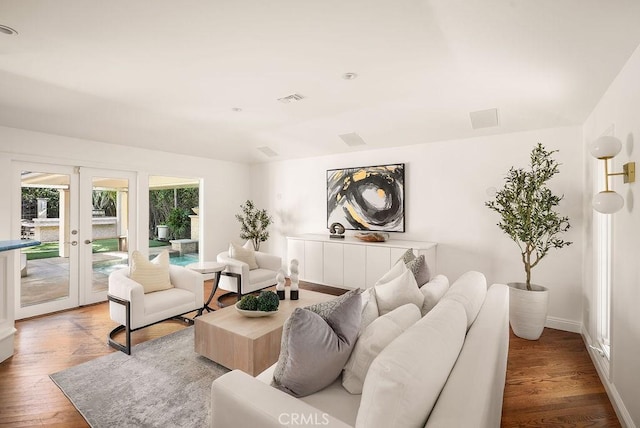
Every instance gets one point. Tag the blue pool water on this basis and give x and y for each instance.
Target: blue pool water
(108, 266)
(183, 260)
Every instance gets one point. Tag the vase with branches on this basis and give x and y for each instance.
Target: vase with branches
(254, 223)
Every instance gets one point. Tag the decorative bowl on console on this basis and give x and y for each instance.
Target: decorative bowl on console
(372, 236)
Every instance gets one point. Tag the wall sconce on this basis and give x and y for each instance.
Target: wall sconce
(605, 148)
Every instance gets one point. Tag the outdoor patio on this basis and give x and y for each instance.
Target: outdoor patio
(48, 278)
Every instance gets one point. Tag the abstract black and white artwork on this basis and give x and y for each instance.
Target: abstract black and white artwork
(367, 198)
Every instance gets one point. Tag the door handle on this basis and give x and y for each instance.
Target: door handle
(88, 241)
(74, 243)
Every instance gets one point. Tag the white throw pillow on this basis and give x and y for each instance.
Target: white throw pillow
(433, 292)
(152, 275)
(381, 332)
(396, 270)
(369, 308)
(246, 255)
(397, 292)
(405, 380)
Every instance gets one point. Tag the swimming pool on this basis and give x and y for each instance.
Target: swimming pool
(105, 267)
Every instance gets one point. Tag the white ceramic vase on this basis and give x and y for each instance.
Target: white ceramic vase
(527, 309)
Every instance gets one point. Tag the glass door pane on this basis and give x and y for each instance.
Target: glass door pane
(108, 216)
(48, 213)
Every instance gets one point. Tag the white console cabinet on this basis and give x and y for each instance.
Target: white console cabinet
(350, 262)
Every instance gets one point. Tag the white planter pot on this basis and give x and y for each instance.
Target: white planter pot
(163, 232)
(527, 309)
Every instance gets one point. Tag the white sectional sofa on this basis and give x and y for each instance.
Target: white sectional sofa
(446, 370)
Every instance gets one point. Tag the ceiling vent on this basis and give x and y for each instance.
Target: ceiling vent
(268, 151)
(352, 139)
(291, 98)
(484, 118)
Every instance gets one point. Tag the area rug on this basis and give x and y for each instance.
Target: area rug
(163, 383)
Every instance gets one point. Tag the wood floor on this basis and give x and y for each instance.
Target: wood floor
(550, 382)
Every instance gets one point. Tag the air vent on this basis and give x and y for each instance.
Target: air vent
(268, 151)
(484, 118)
(352, 139)
(291, 98)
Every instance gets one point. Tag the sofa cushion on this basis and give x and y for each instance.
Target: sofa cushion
(380, 333)
(152, 275)
(404, 381)
(316, 343)
(433, 292)
(246, 255)
(470, 290)
(398, 291)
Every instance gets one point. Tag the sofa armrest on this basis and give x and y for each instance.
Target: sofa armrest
(233, 265)
(268, 261)
(239, 400)
(120, 285)
(188, 280)
(123, 287)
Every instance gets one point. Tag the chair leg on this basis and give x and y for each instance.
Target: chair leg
(126, 348)
(238, 278)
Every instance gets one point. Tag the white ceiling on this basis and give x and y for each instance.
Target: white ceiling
(166, 74)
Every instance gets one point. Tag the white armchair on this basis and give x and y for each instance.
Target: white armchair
(237, 274)
(130, 307)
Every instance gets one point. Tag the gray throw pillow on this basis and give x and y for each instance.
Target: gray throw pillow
(420, 270)
(407, 256)
(316, 343)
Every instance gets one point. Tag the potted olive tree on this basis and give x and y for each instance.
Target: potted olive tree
(527, 210)
(253, 224)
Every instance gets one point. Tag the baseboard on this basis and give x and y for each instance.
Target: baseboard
(6, 343)
(563, 324)
(618, 405)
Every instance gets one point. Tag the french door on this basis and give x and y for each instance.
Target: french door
(107, 228)
(85, 221)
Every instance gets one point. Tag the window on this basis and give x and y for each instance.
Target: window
(603, 229)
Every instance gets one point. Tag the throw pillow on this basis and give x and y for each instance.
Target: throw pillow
(381, 332)
(152, 275)
(397, 292)
(433, 292)
(420, 270)
(407, 256)
(396, 270)
(369, 308)
(246, 255)
(316, 343)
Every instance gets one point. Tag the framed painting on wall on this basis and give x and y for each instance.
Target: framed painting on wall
(367, 198)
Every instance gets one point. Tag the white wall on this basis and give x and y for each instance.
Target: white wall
(620, 108)
(225, 187)
(446, 187)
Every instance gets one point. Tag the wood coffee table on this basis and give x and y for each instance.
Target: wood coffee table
(249, 344)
